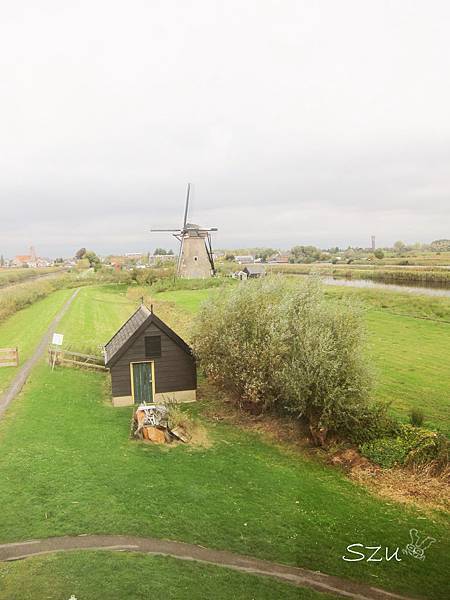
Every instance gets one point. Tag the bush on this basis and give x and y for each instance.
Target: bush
(234, 339)
(386, 452)
(412, 446)
(275, 345)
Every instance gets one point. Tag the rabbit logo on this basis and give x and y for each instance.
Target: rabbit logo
(416, 548)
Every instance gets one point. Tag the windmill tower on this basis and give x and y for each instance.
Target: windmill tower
(195, 259)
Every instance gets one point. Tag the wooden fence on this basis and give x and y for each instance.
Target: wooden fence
(9, 357)
(58, 356)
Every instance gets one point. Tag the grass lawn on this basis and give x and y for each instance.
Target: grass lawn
(189, 300)
(25, 328)
(411, 357)
(129, 576)
(95, 316)
(68, 467)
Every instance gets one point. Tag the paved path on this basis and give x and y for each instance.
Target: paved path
(293, 575)
(25, 370)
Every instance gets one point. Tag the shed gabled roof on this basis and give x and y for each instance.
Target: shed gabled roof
(130, 330)
(254, 269)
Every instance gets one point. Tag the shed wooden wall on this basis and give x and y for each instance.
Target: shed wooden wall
(174, 371)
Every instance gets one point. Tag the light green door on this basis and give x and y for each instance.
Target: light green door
(142, 382)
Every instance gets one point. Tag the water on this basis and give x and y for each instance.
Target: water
(395, 287)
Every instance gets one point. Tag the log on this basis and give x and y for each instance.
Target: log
(155, 435)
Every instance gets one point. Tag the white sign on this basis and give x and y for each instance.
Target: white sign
(58, 339)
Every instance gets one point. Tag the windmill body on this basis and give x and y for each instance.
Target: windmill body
(195, 259)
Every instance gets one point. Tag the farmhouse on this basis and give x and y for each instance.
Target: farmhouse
(254, 270)
(149, 361)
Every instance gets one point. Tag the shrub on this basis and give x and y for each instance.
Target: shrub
(234, 339)
(324, 374)
(386, 452)
(416, 417)
(275, 345)
(412, 446)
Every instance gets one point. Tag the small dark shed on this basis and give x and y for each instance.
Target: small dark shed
(148, 360)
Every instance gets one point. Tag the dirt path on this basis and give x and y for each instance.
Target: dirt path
(293, 575)
(25, 370)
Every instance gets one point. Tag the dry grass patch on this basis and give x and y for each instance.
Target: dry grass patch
(416, 487)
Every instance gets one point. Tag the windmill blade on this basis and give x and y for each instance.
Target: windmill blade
(186, 208)
(180, 254)
(209, 252)
(164, 230)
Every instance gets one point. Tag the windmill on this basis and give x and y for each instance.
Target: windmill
(195, 259)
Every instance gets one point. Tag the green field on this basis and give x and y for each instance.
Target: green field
(68, 467)
(67, 464)
(130, 576)
(95, 316)
(25, 329)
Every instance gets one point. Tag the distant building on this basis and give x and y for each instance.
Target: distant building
(242, 260)
(240, 275)
(30, 260)
(280, 259)
(253, 271)
(157, 258)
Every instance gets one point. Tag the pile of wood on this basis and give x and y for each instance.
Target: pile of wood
(151, 422)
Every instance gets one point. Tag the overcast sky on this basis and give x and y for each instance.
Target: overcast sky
(299, 122)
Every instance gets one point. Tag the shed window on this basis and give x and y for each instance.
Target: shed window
(153, 346)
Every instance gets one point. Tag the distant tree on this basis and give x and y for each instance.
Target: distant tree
(80, 254)
(58, 260)
(160, 252)
(379, 253)
(230, 257)
(170, 252)
(93, 259)
(82, 264)
(440, 245)
(305, 254)
(399, 246)
(2, 261)
(264, 253)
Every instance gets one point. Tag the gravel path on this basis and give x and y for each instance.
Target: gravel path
(24, 371)
(293, 575)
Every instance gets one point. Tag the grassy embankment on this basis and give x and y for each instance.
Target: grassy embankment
(79, 473)
(25, 328)
(135, 577)
(11, 276)
(382, 273)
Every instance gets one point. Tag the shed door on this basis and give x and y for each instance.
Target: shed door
(142, 378)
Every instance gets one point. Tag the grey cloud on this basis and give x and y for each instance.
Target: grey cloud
(298, 122)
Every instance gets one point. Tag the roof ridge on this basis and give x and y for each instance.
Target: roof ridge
(139, 309)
